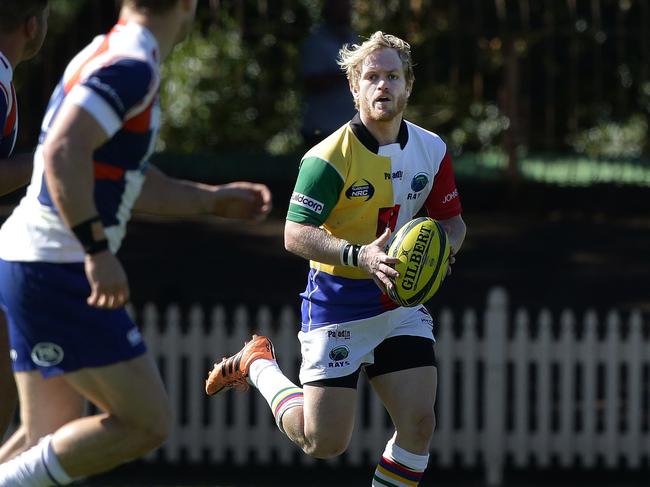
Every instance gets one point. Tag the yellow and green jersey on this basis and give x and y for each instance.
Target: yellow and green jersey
(353, 188)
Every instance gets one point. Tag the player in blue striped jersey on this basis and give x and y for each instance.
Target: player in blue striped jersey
(63, 286)
(23, 25)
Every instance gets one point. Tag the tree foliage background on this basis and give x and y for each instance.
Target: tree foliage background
(511, 76)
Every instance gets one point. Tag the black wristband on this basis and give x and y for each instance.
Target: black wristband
(350, 255)
(90, 234)
(355, 255)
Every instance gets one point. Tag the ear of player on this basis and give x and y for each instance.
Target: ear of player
(423, 249)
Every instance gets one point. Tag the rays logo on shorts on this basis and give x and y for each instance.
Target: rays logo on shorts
(338, 356)
(339, 353)
(47, 354)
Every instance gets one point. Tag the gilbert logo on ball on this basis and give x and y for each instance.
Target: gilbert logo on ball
(423, 250)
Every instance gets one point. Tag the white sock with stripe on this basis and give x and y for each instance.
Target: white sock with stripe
(280, 393)
(36, 467)
(399, 468)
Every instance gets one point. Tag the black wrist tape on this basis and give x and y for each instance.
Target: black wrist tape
(350, 255)
(91, 235)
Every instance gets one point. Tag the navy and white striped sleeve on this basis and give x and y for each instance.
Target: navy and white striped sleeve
(116, 92)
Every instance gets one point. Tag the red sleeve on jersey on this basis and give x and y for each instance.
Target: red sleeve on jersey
(443, 201)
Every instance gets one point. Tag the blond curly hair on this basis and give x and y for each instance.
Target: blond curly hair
(351, 56)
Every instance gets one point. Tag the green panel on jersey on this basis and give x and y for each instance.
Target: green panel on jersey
(316, 192)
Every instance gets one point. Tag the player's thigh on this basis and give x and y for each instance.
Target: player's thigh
(329, 413)
(46, 404)
(408, 395)
(405, 378)
(131, 390)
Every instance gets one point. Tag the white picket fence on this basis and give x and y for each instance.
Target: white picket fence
(562, 394)
(514, 390)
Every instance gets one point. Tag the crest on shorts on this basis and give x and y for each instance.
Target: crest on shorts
(339, 353)
(47, 354)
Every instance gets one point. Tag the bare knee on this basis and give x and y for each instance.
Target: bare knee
(150, 428)
(419, 429)
(324, 450)
(325, 447)
(158, 429)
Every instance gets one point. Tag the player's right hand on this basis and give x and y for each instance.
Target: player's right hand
(109, 287)
(374, 260)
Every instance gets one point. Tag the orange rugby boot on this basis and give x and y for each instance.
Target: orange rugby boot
(232, 372)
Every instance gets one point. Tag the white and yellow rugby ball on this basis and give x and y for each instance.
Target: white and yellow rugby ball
(423, 249)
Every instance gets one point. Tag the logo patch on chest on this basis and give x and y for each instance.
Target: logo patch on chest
(361, 188)
(419, 182)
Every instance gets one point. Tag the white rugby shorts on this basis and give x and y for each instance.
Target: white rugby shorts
(338, 350)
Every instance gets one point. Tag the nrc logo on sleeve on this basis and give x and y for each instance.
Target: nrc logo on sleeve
(307, 202)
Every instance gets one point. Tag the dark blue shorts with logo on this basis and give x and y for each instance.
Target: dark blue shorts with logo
(52, 329)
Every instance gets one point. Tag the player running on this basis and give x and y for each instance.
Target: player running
(366, 179)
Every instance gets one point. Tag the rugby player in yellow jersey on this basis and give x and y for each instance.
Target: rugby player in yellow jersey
(354, 188)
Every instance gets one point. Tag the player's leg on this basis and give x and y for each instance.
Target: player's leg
(52, 403)
(136, 419)
(100, 354)
(323, 426)
(405, 378)
(318, 418)
(409, 396)
(7, 385)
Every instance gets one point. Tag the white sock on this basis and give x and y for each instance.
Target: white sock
(36, 467)
(280, 393)
(399, 468)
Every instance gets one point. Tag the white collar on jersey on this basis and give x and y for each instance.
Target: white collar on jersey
(141, 30)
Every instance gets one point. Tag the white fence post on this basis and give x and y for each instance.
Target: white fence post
(443, 439)
(194, 437)
(520, 355)
(469, 359)
(633, 448)
(589, 361)
(496, 323)
(612, 399)
(542, 357)
(567, 364)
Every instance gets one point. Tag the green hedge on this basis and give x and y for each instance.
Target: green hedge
(491, 166)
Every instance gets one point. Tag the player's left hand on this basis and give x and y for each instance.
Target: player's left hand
(452, 260)
(242, 200)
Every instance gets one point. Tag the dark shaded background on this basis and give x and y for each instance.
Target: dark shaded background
(548, 246)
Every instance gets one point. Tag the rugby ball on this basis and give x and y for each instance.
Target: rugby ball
(423, 250)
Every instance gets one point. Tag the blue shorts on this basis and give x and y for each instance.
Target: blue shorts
(52, 329)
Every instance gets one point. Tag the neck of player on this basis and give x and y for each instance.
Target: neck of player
(165, 28)
(384, 131)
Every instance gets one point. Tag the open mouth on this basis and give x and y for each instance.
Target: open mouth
(382, 99)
